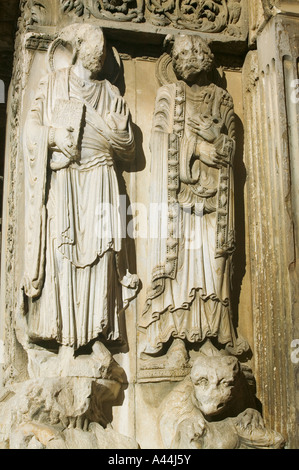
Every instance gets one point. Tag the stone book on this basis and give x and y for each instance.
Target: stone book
(67, 114)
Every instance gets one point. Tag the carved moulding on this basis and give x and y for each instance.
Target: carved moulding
(204, 16)
(261, 11)
(226, 17)
(199, 15)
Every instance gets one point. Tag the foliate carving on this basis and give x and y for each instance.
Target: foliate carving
(76, 5)
(214, 407)
(201, 15)
(211, 16)
(123, 10)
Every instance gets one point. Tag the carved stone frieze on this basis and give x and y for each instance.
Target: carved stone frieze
(125, 10)
(206, 16)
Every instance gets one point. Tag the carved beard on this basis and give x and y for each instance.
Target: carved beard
(189, 69)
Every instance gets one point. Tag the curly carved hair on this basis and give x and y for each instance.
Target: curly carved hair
(194, 44)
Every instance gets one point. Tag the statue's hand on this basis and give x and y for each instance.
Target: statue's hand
(64, 141)
(208, 154)
(250, 419)
(191, 433)
(118, 116)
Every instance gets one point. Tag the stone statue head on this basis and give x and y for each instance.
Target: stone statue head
(88, 44)
(214, 380)
(191, 56)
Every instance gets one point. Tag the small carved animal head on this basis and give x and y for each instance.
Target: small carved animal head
(191, 56)
(214, 380)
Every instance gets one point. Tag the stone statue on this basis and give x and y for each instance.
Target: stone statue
(76, 273)
(214, 408)
(192, 146)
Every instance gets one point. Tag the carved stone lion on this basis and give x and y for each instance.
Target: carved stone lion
(214, 408)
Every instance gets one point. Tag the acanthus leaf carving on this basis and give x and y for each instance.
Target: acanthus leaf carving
(211, 16)
(69, 5)
(126, 10)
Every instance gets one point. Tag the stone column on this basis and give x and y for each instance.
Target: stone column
(271, 152)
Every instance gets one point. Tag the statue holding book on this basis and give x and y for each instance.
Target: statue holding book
(192, 145)
(76, 275)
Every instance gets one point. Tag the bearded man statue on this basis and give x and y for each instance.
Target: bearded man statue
(192, 146)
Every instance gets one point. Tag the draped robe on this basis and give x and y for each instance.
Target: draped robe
(189, 293)
(75, 276)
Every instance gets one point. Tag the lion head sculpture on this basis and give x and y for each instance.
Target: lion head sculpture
(214, 407)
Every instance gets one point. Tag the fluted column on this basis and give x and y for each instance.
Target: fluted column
(271, 159)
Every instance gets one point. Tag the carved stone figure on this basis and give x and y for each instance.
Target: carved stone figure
(123, 10)
(39, 12)
(214, 408)
(76, 277)
(192, 145)
(68, 412)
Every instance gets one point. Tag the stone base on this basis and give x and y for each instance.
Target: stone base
(64, 412)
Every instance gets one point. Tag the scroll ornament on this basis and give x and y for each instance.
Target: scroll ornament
(211, 16)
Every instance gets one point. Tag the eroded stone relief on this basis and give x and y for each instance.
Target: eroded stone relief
(76, 279)
(66, 319)
(192, 144)
(82, 127)
(214, 408)
(210, 16)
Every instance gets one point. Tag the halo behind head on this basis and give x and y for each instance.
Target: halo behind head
(64, 49)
